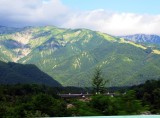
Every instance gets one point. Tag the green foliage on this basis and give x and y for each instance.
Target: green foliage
(29, 114)
(20, 101)
(149, 50)
(13, 73)
(98, 83)
(48, 105)
(131, 105)
(149, 93)
(83, 109)
(121, 105)
(68, 55)
(103, 104)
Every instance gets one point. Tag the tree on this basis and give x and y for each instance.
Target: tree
(98, 82)
(48, 105)
(148, 50)
(130, 105)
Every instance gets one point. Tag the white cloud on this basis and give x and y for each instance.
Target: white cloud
(115, 23)
(32, 11)
(53, 12)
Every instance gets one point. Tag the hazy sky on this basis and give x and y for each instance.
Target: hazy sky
(116, 17)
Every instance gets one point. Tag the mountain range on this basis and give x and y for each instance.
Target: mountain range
(151, 40)
(70, 56)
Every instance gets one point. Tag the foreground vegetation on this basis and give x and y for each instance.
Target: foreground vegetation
(149, 94)
(37, 100)
(30, 101)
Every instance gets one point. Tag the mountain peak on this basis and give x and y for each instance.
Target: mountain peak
(68, 55)
(143, 38)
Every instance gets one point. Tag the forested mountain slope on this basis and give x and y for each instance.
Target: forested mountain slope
(71, 56)
(14, 73)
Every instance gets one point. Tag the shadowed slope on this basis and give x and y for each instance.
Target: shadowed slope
(13, 73)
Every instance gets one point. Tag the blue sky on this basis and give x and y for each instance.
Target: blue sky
(115, 17)
(133, 6)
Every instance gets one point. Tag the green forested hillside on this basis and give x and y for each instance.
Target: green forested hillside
(70, 56)
(14, 73)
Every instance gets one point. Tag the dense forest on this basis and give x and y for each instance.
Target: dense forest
(149, 94)
(13, 73)
(26, 100)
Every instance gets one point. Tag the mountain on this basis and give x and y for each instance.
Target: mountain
(70, 56)
(13, 73)
(143, 38)
(7, 30)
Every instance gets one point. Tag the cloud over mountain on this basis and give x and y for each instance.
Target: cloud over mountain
(54, 12)
(115, 23)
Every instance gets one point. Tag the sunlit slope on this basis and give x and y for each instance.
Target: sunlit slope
(70, 56)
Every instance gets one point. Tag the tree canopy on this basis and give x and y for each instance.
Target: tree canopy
(98, 82)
